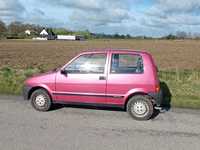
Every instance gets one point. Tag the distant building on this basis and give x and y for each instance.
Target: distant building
(80, 38)
(48, 33)
(66, 37)
(28, 32)
(70, 37)
(44, 33)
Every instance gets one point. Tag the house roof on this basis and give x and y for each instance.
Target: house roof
(43, 32)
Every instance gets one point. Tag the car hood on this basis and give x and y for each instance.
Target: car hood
(47, 77)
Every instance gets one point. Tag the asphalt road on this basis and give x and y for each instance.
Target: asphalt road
(72, 128)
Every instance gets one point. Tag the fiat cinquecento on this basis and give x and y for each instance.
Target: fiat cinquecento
(122, 78)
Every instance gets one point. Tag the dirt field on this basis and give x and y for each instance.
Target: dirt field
(20, 54)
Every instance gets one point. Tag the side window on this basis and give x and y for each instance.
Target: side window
(88, 63)
(126, 63)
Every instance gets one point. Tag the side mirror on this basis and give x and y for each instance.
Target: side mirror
(63, 72)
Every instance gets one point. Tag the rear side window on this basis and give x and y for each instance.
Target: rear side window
(88, 63)
(126, 64)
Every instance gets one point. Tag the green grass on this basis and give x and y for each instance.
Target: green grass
(11, 81)
(181, 88)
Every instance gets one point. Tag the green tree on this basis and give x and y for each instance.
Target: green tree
(128, 36)
(170, 37)
(86, 34)
(61, 31)
(3, 28)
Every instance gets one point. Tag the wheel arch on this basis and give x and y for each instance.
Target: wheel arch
(36, 88)
(133, 94)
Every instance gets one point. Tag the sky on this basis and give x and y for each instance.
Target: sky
(136, 17)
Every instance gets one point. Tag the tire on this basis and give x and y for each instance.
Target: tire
(40, 100)
(140, 107)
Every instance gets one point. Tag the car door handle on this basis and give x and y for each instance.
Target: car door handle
(102, 78)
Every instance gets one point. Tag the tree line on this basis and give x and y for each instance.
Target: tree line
(16, 30)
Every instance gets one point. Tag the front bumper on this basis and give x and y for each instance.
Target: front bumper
(157, 96)
(26, 90)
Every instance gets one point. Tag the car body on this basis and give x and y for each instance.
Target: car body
(100, 77)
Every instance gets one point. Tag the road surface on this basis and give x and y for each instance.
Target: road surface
(72, 128)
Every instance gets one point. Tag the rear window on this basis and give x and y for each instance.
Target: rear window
(126, 64)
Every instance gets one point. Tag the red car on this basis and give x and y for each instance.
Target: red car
(122, 78)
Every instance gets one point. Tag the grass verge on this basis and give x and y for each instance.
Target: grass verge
(181, 88)
(11, 81)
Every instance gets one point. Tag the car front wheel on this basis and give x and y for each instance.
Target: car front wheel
(140, 107)
(41, 100)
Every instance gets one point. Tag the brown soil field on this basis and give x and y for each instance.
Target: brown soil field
(168, 54)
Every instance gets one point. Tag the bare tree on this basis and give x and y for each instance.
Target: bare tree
(181, 34)
(16, 27)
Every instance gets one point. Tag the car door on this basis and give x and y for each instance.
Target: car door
(125, 73)
(85, 81)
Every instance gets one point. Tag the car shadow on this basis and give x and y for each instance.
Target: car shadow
(166, 100)
(85, 106)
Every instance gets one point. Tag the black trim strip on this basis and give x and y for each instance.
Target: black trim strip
(88, 104)
(93, 95)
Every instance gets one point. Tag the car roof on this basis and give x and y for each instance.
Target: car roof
(115, 51)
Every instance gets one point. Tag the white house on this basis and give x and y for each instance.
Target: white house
(28, 32)
(44, 33)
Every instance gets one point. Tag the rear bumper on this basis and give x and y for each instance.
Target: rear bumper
(26, 90)
(158, 97)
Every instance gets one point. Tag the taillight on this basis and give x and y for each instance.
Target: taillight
(158, 88)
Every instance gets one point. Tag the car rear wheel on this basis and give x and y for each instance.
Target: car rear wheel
(140, 107)
(40, 100)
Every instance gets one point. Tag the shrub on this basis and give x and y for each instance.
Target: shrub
(11, 81)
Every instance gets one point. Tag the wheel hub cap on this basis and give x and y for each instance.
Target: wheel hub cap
(139, 108)
(40, 100)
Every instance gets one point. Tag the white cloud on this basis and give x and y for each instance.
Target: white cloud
(110, 16)
(11, 10)
(95, 12)
(14, 10)
(100, 17)
(170, 6)
(173, 15)
(89, 5)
